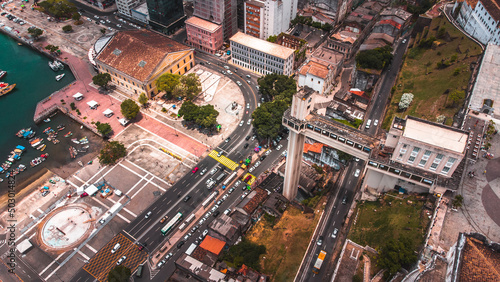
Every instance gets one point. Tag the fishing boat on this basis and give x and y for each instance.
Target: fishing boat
(60, 127)
(85, 147)
(7, 89)
(68, 134)
(47, 120)
(41, 146)
(58, 64)
(21, 167)
(74, 140)
(46, 129)
(36, 141)
(72, 152)
(59, 77)
(53, 66)
(45, 156)
(2, 73)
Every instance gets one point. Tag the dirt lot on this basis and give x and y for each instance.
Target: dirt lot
(286, 242)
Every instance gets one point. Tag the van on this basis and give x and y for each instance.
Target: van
(368, 123)
(115, 248)
(139, 271)
(248, 76)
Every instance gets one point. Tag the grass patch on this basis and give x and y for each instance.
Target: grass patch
(429, 82)
(355, 123)
(285, 241)
(389, 218)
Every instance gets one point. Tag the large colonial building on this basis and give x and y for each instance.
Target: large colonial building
(260, 55)
(480, 19)
(136, 58)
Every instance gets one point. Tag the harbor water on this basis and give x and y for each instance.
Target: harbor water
(35, 81)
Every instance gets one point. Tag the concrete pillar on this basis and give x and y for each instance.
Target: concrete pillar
(293, 163)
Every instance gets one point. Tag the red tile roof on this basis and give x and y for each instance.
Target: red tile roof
(493, 8)
(137, 53)
(212, 245)
(315, 68)
(479, 262)
(316, 147)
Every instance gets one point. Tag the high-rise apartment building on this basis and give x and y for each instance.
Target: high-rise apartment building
(222, 12)
(264, 18)
(124, 6)
(166, 15)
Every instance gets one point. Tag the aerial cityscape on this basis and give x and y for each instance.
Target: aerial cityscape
(249, 140)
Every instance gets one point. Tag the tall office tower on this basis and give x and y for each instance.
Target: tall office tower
(223, 12)
(166, 15)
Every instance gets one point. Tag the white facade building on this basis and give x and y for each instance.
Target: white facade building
(480, 19)
(270, 17)
(260, 55)
(124, 6)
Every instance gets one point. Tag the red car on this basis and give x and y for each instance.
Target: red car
(248, 178)
(195, 169)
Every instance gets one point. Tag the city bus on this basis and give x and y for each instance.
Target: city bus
(171, 224)
(319, 262)
(227, 181)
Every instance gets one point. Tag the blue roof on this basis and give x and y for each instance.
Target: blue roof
(20, 147)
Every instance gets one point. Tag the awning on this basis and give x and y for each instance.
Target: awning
(107, 112)
(92, 104)
(78, 95)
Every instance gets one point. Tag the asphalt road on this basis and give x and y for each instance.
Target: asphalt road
(334, 219)
(382, 97)
(194, 184)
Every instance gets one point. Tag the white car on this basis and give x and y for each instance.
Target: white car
(244, 194)
(251, 169)
(335, 232)
(119, 25)
(242, 123)
(375, 123)
(237, 183)
(161, 263)
(249, 121)
(121, 260)
(356, 174)
(229, 72)
(204, 233)
(225, 197)
(257, 164)
(268, 152)
(96, 16)
(248, 105)
(279, 147)
(404, 41)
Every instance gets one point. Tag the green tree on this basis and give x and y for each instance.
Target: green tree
(119, 273)
(59, 8)
(268, 117)
(129, 109)
(396, 254)
(377, 58)
(143, 99)
(327, 27)
(279, 87)
(103, 128)
(51, 48)
(272, 38)
(245, 252)
(167, 83)
(455, 97)
(35, 32)
(191, 84)
(103, 30)
(102, 79)
(76, 16)
(205, 116)
(111, 153)
(458, 201)
(67, 28)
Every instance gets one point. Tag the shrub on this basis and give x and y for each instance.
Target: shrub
(72, 105)
(405, 101)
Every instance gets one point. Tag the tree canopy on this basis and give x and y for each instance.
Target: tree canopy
(167, 83)
(143, 99)
(377, 58)
(395, 255)
(67, 28)
(279, 87)
(119, 273)
(267, 118)
(103, 128)
(111, 153)
(51, 48)
(102, 79)
(76, 16)
(246, 252)
(205, 116)
(191, 86)
(35, 32)
(59, 8)
(129, 109)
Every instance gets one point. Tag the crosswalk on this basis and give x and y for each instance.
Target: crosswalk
(223, 160)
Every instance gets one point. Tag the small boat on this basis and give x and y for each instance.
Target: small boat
(7, 89)
(60, 127)
(55, 141)
(41, 146)
(36, 140)
(22, 167)
(47, 120)
(53, 66)
(85, 147)
(59, 77)
(74, 140)
(58, 64)
(80, 163)
(2, 73)
(46, 129)
(44, 155)
(68, 134)
(72, 152)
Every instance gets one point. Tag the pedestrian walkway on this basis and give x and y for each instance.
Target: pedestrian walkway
(223, 160)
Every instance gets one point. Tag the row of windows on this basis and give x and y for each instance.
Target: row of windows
(259, 53)
(254, 68)
(425, 157)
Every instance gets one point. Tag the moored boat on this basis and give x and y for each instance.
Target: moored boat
(58, 64)
(53, 66)
(2, 73)
(74, 140)
(59, 77)
(7, 89)
(68, 134)
(60, 127)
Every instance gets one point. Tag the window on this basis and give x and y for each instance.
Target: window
(415, 151)
(450, 162)
(411, 159)
(422, 163)
(434, 166)
(426, 155)
(445, 170)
